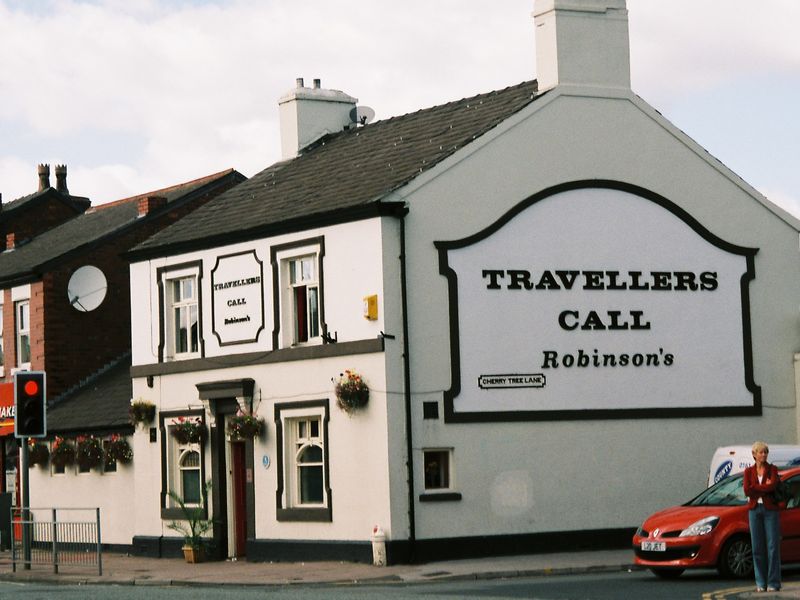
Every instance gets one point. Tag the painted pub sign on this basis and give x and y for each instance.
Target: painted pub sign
(598, 300)
(237, 298)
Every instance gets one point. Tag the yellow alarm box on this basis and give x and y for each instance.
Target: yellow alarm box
(371, 307)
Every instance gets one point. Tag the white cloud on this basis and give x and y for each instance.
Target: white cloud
(176, 90)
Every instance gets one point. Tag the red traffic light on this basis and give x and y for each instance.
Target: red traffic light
(31, 387)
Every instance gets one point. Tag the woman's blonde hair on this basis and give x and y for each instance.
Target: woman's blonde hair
(760, 446)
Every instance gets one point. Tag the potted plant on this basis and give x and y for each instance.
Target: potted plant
(192, 526)
(352, 392)
(243, 426)
(188, 431)
(63, 452)
(90, 451)
(118, 450)
(38, 454)
(142, 411)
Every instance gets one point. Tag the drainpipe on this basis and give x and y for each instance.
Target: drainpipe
(412, 527)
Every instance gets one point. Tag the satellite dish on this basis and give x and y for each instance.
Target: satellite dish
(362, 115)
(86, 289)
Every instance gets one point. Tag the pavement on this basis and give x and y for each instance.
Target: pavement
(122, 569)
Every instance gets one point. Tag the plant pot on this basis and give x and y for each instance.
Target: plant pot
(194, 554)
(352, 401)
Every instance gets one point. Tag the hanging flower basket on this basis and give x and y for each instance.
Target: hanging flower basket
(142, 411)
(188, 431)
(243, 426)
(63, 453)
(38, 454)
(90, 452)
(119, 450)
(352, 392)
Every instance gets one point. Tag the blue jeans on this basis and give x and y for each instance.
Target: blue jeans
(765, 534)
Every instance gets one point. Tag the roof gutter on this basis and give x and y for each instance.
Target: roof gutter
(353, 213)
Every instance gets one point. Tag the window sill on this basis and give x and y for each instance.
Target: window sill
(322, 515)
(176, 514)
(440, 497)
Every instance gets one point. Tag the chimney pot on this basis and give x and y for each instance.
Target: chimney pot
(44, 177)
(317, 84)
(61, 179)
(148, 204)
(9, 241)
(299, 82)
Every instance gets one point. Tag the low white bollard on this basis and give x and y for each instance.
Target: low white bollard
(378, 547)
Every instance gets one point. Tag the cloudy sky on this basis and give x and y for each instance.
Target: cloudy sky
(134, 95)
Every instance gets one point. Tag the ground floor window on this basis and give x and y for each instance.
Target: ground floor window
(437, 464)
(304, 486)
(183, 460)
(437, 469)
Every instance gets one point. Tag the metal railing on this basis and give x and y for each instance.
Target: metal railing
(40, 538)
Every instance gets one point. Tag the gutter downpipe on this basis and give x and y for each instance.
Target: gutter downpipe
(412, 533)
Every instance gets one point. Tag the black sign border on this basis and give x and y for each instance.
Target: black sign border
(214, 325)
(452, 416)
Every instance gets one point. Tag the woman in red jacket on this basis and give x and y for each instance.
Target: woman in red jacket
(760, 481)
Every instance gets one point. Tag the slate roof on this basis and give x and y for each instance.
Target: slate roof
(83, 231)
(77, 203)
(341, 172)
(100, 404)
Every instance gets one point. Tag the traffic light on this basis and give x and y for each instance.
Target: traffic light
(29, 404)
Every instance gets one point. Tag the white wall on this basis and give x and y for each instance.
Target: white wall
(588, 474)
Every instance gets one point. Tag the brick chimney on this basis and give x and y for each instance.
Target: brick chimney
(61, 179)
(44, 177)
(306, 114)
(150, 203)
(582, 43)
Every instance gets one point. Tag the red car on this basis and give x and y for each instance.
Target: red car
(712, 531)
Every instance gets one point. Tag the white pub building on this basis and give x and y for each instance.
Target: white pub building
(561, 305)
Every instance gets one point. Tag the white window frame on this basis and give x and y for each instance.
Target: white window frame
(22, 330)
(167, 278)
(286, 313)
(298, 277)
(176, 453)
(305, 436)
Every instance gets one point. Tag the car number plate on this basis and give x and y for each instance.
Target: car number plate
(654, 546)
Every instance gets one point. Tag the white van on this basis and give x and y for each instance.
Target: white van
(729, 460)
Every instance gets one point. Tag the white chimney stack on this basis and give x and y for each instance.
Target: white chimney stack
(306, 114)
(583, 43)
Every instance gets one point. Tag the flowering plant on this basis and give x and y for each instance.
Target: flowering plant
(119, 450)
(142, 411)
(188, 431)
(63, 452)
(90, 451)
(38, 454)
(352, 392)
(245, 426)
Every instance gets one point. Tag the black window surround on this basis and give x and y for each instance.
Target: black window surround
(163, 274)
(286, 513)
(168, 512)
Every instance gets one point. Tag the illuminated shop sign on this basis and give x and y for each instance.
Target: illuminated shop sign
(606, 301)
(238, 298)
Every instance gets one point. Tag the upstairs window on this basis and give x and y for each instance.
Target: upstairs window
(184, 316)
(299, 299)
(23, 334)
(304, 289)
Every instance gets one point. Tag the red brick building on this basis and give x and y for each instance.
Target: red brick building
(57, 245)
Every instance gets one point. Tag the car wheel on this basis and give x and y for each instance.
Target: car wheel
(668, 573)
(736, 558)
